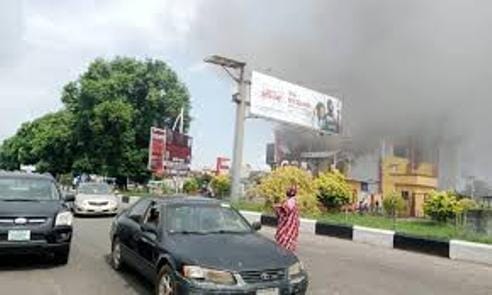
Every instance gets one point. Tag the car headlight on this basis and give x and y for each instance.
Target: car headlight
(198, 273)
(295, 270)
(64, 218)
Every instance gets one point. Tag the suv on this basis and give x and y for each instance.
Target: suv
(34, 216)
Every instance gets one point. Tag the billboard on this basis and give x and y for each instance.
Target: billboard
(157, 147)
(177, 157)
(222, 166)
(169, 152)
(282, 101)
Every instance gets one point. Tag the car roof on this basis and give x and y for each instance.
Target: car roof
(185, 200)
(25, 175)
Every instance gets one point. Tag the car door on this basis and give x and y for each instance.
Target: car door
(131, 230)
(147, 240)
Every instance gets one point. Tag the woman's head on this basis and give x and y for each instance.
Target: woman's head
(292, 191)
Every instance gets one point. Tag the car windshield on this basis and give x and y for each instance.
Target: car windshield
(27, 189)
(94, 189)
(197, 219)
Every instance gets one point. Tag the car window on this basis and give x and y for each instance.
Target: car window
(94, 189)
(139, 208)
(152, 215)
(205, 219)
(28, 189)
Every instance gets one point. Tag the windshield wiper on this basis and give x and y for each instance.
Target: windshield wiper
(187, 232)
(227, 232)
(20, 200)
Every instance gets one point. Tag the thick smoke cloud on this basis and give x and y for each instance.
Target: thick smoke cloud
(402, 67)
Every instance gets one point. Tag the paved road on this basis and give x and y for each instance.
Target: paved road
(335, 266)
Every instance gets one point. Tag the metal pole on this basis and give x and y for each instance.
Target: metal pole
(237, 157)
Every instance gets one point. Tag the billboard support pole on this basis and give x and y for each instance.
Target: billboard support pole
(237, 156)
(240, 100)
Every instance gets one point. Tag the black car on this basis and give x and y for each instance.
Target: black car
(192, 245)
(34, 217)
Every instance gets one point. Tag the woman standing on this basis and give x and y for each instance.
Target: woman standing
(288, 221)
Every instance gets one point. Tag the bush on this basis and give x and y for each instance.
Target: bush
(221, 185)
(466, 204)
(441, 206)
(394, 204)
(191, 186)
(273, 188)
(332, 190)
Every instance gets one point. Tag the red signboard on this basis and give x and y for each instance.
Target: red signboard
(222, 165)
(157, 148)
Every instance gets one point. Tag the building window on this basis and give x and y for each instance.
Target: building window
(401, 151)
(405, 194)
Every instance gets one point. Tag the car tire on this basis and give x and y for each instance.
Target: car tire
(116, 258)
(61, 257)
(166, 282)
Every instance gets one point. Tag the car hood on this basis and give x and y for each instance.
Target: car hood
(87, 197)
(42, 208)
(234, 252)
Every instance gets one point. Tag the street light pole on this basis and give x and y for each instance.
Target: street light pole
(240, 99)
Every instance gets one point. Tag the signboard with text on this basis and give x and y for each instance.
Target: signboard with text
(282, 101)
(157, 149)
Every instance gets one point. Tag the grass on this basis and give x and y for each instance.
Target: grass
(416, 227)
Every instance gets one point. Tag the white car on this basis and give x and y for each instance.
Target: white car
(95, 199)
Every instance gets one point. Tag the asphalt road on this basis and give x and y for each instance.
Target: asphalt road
(335, 267)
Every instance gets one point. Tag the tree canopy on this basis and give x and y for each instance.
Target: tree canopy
(105, 123)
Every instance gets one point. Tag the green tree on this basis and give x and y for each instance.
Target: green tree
(333, 190)
(191, 186)
(221, 185)
(393, 205)
(441, 205)
(273, 187)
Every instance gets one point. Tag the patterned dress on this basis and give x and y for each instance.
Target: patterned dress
(288, 224)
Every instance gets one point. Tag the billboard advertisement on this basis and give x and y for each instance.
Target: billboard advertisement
(282, 101)
(169, 152)
(177, 157)
(157, 147)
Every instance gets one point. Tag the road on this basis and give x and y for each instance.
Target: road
(335, 267)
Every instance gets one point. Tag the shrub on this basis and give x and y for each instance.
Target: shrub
(394, 204)
(191, 186)
(466, 204)
(273, 188)
(221, 185)
(441, 206)
(332, 190)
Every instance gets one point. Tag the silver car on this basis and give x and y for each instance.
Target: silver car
(95, 199)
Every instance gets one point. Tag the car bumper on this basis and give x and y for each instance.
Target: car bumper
(95, 210)
(54, 240)
(298, 286)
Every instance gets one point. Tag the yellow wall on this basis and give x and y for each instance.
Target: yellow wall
(398, 176)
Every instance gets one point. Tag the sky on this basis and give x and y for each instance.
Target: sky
(401, 67)
(46, 44)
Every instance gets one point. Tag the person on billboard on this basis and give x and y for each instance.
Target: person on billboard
(288, 221)
(325, 116)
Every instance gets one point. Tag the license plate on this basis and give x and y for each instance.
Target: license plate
(271, 291)
(19, 235)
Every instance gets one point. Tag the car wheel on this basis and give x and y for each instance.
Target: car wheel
(61, 257)
(166, 282)
(116, 258)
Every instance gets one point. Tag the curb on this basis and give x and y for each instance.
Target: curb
(453, 249)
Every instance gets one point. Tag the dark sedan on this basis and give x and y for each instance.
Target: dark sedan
(190, 245)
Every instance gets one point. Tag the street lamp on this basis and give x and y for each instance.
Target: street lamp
(227, 64)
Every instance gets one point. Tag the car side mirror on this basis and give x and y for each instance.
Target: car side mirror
(69, 197)
(256, 226)
(149, 228)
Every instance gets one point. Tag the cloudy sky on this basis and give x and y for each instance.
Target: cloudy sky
(402, 67)
(45, 44)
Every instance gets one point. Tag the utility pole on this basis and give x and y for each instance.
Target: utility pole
(240, 99)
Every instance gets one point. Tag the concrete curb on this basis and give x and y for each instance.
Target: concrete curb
(376, 237)
(468, 251)
(454, 249)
